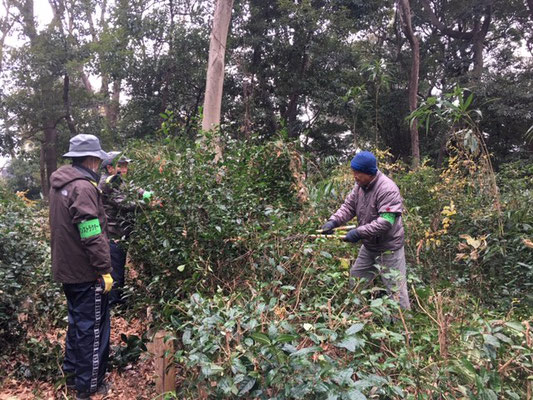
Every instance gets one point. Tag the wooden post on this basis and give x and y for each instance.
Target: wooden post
(164, 363)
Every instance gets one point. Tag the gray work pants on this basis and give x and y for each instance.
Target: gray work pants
(390, 265)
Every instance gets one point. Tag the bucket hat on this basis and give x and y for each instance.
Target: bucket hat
(83, 145)
(111, 156)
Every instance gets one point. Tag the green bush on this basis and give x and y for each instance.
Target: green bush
(211, 212)
(264, 345)
(454, 230)
(262, 310)
(24, 262)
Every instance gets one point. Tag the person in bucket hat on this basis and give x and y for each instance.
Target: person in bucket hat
(119, 208)
(81, 262)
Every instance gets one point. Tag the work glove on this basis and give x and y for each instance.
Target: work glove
(108, 281)
(352, 236)
(116, 179)
(327, 228)
(147, 195)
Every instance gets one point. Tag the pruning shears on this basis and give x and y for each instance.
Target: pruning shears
(339, 232)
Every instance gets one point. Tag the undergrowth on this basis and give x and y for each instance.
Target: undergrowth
(261, 309)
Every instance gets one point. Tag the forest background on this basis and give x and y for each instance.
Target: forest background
(439, 89)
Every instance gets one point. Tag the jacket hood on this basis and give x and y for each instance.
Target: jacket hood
(67, 174)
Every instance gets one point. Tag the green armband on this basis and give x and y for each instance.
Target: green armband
(391, 217)
(147, 195)
(89, 228)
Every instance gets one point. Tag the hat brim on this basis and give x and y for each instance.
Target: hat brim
(102, 155)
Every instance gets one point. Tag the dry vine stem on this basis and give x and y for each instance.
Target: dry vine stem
(442, 322)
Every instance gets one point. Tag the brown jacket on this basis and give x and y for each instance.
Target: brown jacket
(74, 199)
(380, 196)
(118, 208)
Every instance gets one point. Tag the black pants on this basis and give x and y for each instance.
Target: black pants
(118, 262)
(89, 328)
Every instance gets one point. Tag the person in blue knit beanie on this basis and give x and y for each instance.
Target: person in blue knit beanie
(365, 162)
(376, 202)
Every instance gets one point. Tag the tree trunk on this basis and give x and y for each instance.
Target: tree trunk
(45, 188)
(48, 156)
(6, 23)
(215, 69)
(478, 44)
(476, 36)
(66, 103)
(247, 96)
(413, 78)
(114, 105)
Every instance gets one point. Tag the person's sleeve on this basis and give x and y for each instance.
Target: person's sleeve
(347, 210)
(389, 209)
(84, 213)
(116, 193)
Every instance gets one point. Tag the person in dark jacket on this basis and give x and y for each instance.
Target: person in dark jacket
(81, 262)
(119, 211)
(376, 202)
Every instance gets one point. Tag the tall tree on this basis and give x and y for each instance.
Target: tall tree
(471, 27)
(215, 69)
(405, 11)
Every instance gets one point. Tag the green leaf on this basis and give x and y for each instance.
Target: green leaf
(355, 328)
(376, 303)
(491, 340)
(248, 384)
(351, 343)
(261, 338)
(517, 326)
(355, 395)
(306, 350)
(325, 254)
(211, 369)
(286, 338)
(344, 377)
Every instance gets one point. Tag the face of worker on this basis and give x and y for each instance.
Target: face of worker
(361, 178)
(121, 167)
(93, 163)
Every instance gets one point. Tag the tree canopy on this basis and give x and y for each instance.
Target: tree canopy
(334, 75)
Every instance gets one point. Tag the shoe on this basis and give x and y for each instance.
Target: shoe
(71, 382)
(103, 389)
(83, 395)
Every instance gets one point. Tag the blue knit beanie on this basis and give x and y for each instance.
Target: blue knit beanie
(365, 161)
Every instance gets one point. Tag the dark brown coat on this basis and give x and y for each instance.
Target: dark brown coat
(74, 198)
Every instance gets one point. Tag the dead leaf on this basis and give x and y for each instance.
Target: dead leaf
(460, 256)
